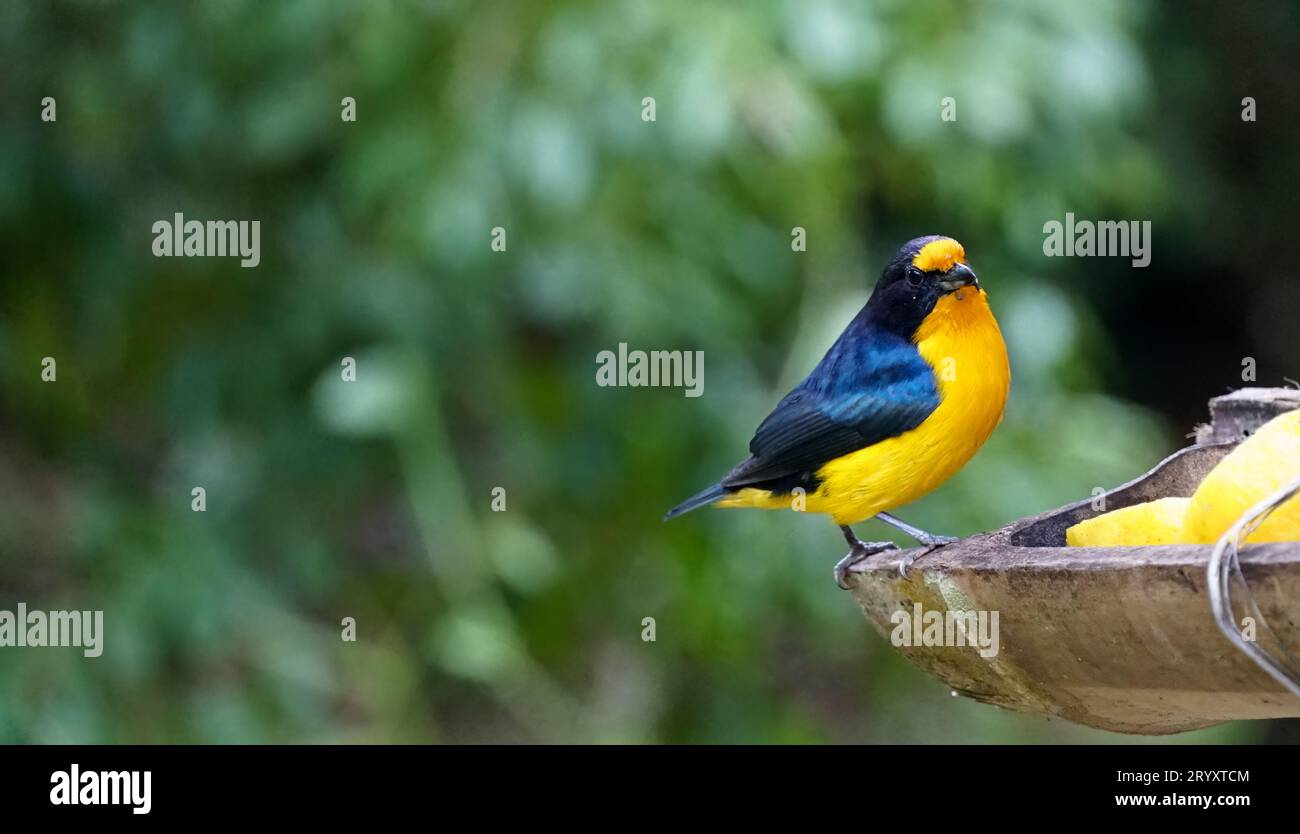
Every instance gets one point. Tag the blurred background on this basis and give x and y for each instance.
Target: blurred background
(476, 369)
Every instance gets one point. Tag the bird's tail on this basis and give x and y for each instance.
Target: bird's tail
(708, 496)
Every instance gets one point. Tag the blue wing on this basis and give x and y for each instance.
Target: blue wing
(869, 387)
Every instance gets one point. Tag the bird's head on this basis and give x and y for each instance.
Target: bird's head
(922, 272)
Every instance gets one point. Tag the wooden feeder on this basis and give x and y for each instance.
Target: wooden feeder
(1117, 638)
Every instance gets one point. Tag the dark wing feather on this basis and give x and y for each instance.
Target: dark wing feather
(868, 388)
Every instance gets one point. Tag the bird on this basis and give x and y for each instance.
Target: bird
(901, 401)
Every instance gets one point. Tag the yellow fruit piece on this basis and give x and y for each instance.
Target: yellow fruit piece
(1263, 463)
(1155, 522)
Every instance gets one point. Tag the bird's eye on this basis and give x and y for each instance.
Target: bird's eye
(914, 277)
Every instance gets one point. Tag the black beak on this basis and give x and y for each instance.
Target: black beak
(957, 277)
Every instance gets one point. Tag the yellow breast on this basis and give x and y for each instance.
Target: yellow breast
(961, 341)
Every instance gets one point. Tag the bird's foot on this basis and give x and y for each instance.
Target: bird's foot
(861, 550)
(930, 543)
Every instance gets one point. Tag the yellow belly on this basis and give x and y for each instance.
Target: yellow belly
(961, 341)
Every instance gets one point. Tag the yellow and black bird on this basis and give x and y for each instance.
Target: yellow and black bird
(903, 399)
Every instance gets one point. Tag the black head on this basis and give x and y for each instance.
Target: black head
(922, 272)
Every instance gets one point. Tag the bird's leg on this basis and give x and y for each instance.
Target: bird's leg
(858, 550)
(929, 541)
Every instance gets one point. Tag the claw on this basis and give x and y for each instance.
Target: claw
(861, 550)
(932, 545)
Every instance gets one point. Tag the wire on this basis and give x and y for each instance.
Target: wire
(1224, 564)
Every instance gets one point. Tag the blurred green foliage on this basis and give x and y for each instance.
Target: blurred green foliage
(476, 369)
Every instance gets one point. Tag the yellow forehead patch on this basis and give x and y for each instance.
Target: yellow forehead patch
(939, 255)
